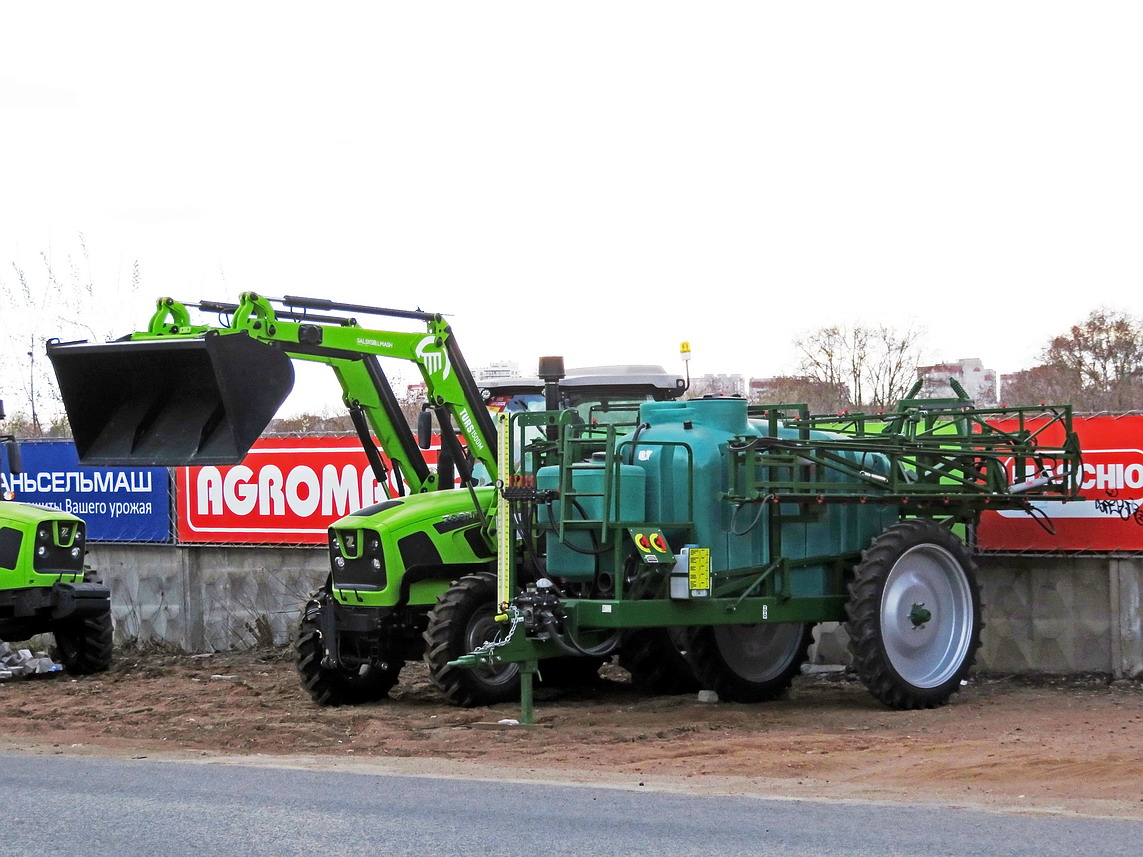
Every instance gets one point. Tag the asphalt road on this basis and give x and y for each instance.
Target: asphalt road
(132, 808)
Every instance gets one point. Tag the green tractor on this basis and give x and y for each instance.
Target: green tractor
(44, 586)
(182, 393)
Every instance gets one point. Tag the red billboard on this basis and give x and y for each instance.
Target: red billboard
(286, 491)
(1110, 515)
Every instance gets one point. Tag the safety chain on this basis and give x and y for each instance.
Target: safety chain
(516, 618)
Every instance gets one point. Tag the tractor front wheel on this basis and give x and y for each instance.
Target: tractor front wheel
(85, 646)
(339, 685)
(463, 619)
(914, 615)
(750, 663)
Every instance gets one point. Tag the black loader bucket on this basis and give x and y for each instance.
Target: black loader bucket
(170, 402)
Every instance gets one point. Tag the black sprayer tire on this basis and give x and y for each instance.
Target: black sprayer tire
(337, 686)
(461, 620)
(914, 615)
(750, 663)
(657, 661)
(85, 646)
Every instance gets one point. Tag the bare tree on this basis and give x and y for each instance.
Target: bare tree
(819, 396)
(1045, 385)
(876, 364)
(58, 299)
(1101, 360)
(894, 367)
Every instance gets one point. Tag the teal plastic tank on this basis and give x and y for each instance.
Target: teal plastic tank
(683, 449)
(577, 557)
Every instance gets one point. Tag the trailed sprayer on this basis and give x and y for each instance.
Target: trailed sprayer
(729, 530)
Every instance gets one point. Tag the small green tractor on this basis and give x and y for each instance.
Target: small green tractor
(44, 585)
(698, 540)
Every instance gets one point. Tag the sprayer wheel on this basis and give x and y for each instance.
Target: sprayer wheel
(914, 615)
(463, 618)
(337, 686)
(657, 661)
(85, 646)
(750, 663)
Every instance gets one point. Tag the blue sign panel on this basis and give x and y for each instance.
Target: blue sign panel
(119, 504)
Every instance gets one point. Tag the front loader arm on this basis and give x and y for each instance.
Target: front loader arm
(149, 386)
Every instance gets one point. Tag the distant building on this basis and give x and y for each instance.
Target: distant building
(498, 370)
(717, 385)
(978, 382)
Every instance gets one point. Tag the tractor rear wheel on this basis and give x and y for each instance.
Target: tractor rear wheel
(750, 663)
(657, 661)
(464, 618)
(337, 686)
(85, 646)
(914, 615)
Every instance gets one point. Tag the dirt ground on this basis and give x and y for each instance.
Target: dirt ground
(1054, 745)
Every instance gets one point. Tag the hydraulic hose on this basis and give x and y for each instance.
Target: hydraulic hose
(571, 647)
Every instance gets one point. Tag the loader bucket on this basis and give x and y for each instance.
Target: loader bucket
(167, 403)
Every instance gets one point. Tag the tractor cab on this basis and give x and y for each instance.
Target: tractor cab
(599, 394)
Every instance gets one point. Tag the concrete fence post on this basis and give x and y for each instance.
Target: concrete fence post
(1126, 577)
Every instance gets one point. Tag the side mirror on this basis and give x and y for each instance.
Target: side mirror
(425, 429)
(15, 465)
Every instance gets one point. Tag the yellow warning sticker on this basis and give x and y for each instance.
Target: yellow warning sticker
(699, 571)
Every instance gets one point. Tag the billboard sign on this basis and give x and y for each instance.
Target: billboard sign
(119, 504)
(1109, 518)
(286, 491)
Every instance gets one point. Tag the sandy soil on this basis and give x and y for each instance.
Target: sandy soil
(1072, 746)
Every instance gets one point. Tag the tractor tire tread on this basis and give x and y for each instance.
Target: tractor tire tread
(86, 646)
(332, 688)
(444, 637)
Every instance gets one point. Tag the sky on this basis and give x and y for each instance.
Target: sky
(599, 180)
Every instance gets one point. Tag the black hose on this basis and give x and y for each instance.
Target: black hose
(596, 550)
(571, 647)
(635, 441)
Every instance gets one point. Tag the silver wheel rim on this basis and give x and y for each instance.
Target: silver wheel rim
(927, 578)
(759, 653)
(484, 629)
